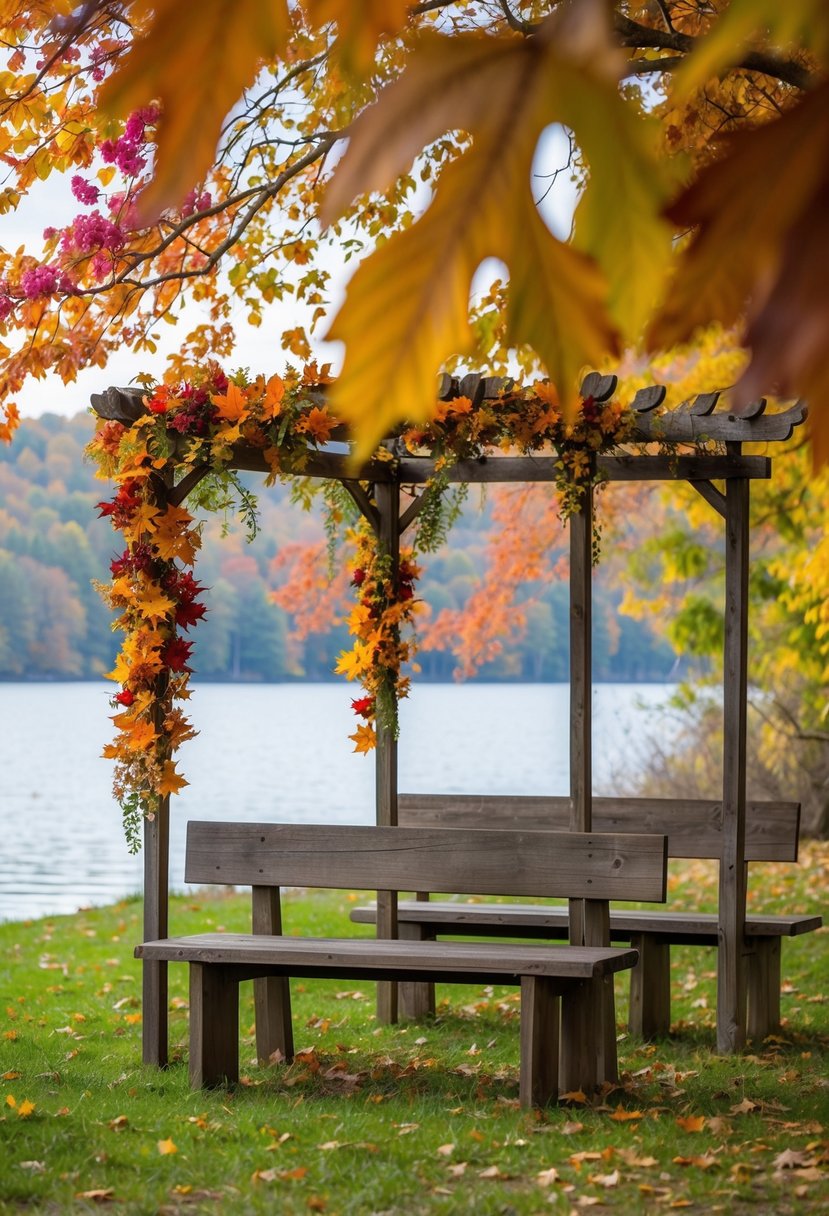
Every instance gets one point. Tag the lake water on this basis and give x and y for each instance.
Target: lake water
(274, 752)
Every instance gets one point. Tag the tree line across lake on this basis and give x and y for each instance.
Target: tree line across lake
(53, 547)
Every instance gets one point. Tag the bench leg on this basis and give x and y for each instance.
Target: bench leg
(274, 1030)
(764, 988)
(415, 998)
(584, 1022)
(214, 1026)
(650, 988)
(540, 1016)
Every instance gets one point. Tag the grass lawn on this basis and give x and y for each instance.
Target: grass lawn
(408, 1119)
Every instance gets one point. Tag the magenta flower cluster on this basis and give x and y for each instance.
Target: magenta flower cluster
(125, 152)
(196, 200)
(85, 192)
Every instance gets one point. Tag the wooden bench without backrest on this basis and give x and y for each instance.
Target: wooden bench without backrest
(694, 830)
(560, 985)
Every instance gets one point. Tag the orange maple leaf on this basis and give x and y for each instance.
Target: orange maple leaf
(364, 738)
(171, 780)
(317, 423)
(233, 405)
(272, 401)
(140, 736)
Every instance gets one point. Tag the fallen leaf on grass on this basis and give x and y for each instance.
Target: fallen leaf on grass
(606, 1180)
(746, 1107)
(33, 1167)
(792, 1159)
(493, 1173)
(11, 1076)
(99, 1196)
(274, 1175)
(119, 1123)
(547, 1177)
(571, 1128)
(704, 1162)
(691, 1123)
(458, 1170)
(624, 1116)
(575, 1095)
(446, 1150)
(165, 1147)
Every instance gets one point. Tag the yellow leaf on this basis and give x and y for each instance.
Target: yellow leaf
(364, 738)
(691, 1123)
(165, 1147)
(360, 24)
(171, 780)
(624, 1116)
(25, 1109)
(406, 309)
(195, 62)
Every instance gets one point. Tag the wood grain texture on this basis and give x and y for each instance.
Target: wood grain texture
(446, 962)
(214, 1026)
(271, 997)
(551, 922)
(650, 987)
(540, 1019)
(763, 989)
(731, 975)
(154, 1026)
(536, 864)
(693, 825)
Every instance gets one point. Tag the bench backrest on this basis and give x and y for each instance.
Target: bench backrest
(693, 825)
(570, 865)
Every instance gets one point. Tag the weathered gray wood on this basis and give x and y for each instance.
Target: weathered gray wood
(581, 670)
(271, 997)
(570, 865)
(731, 979)
(540, 1015)
(480, 962)
(714, 497)
(388, 512)
(764, 988)
(156, 924)
(363, 503)
(415, 998)
(582, 1064)
(598, 386)
(416, 470)
(214, 1026)
(551, 921)
(679, 426)
(650, 987)
(693, 825)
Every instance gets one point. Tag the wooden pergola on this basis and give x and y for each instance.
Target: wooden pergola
(685, 438)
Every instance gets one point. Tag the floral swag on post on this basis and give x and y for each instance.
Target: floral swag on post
(182, 447)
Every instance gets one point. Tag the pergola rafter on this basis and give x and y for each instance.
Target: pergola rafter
(716, 438)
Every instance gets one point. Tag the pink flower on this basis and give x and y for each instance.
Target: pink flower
(42, 281)
(85, 192)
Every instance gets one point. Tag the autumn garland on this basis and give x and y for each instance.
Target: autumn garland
(153, 590)
(195, 425)
(381, 624)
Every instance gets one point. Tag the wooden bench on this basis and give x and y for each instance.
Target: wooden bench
(693, 828)
(563, 988)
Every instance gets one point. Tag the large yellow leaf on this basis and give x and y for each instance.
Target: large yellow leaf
(406, 310)
(360, 25)
(195, 60)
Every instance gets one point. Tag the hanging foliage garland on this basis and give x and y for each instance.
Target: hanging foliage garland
(182, 446)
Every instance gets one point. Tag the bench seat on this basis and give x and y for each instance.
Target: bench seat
(568, 1027)
(651, 933)
(559, 985)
